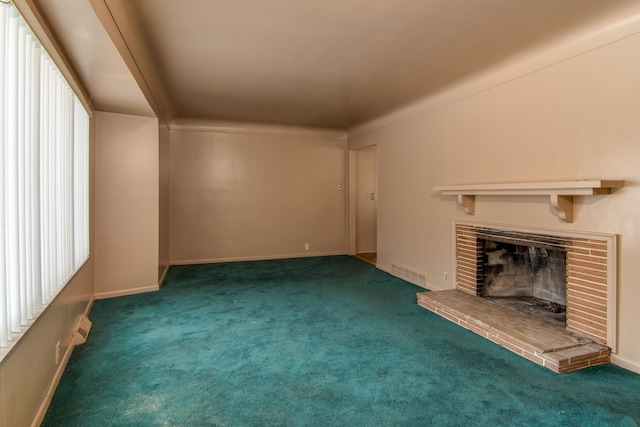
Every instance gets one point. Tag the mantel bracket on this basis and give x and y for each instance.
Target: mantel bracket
(564, 206)
(468, 202)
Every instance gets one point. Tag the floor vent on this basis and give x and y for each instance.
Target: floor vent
(82, 331)
(410, 275)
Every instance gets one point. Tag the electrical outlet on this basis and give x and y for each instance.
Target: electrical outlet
(445, 275)
(340, 187)
(306, 246)
(57, 352)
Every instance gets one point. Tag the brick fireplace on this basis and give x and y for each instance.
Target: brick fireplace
(587, 335)
(590, 271)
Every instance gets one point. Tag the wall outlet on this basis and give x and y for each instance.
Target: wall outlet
(445, 276)
(306, 246)
(57, 352)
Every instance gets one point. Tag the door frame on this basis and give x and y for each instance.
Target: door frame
(352, 198)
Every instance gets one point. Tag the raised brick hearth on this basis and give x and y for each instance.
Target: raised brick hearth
(537, 340)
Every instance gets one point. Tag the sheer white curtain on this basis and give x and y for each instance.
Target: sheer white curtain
(44, 178)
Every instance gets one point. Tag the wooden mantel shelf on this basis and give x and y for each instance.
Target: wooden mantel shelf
(560, 192)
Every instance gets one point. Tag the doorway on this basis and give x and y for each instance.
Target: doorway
(366, 204)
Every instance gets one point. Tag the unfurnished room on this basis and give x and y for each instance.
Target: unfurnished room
(335, 213)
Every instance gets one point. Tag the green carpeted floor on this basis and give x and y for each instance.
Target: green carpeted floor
(325, 341)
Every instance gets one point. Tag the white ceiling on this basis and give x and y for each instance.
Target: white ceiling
(327, 63)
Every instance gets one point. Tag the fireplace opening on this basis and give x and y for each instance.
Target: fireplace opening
(528, 279)
(585, 267)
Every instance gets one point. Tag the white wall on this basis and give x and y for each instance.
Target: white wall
(256, 192)
(574, 118)
(127, 204)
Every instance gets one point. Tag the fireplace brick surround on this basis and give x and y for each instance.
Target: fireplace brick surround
(588, 259)
(590, 331)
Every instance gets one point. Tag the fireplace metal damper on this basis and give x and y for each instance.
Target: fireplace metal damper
(589, 278)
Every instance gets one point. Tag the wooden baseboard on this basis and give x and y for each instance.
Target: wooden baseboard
(164, 275)
(254, 258)
(626, 364)
(123, 292)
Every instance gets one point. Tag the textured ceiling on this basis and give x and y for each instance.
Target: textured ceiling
(328, 63)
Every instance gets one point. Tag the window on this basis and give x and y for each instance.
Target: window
(44, 178)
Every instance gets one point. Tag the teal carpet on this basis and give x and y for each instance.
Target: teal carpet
(325, 341)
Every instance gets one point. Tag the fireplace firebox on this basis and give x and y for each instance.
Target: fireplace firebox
(529, 279)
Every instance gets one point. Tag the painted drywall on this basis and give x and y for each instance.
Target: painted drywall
(127, 204)
(366, 206)
(252, 193)
(574, 119)
(29, 372)
(163, 204)
(30, 367)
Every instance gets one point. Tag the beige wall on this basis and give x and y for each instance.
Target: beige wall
(163, 204)
(366, 208)
(127, 204)
(571, 119)
(29, 369)
(252, 193)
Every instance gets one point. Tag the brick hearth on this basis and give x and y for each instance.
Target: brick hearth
(541, 342)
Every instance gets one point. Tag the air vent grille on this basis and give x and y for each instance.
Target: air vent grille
(410, 275)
